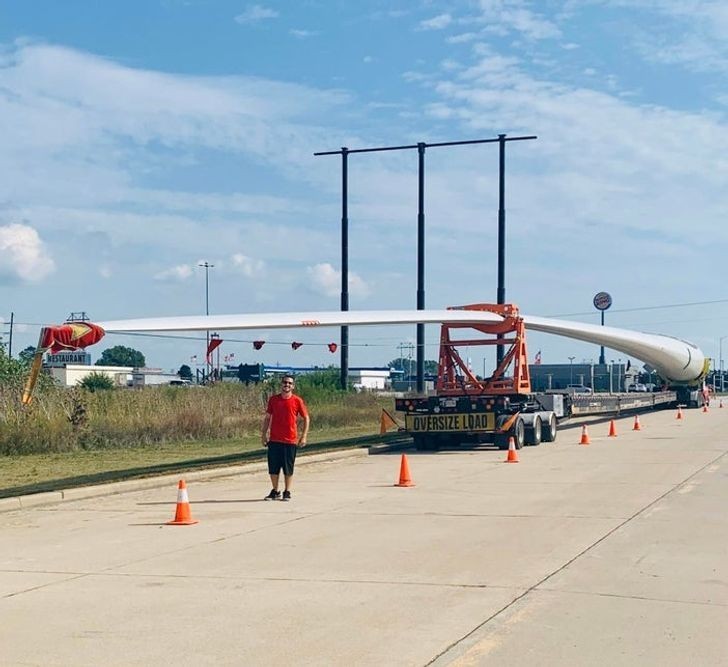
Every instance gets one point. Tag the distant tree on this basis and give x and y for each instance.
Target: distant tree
(26, 355)
(185, 372)
(119, 355)
(96, 382)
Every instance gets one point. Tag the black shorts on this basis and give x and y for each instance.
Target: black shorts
(281, 456)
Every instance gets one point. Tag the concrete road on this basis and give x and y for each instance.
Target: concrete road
(612, 553)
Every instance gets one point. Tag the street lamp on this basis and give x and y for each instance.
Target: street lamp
(720, 361)
(207, 266)
(571, 370)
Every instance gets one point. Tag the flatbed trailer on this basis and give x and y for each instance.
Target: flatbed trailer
(468, 409)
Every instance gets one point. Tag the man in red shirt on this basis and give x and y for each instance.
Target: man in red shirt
(280, 435)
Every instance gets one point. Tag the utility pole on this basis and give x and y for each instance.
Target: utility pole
(421, 146)
(10, 337)
(207, 266)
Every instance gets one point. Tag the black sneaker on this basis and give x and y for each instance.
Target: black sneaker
(273, 495)
(286, 495)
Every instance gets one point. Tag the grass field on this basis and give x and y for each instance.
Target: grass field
(76, 433)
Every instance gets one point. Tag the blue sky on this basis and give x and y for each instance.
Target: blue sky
(144, 137)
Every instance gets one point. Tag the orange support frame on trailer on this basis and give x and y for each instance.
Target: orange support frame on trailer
(454, 378)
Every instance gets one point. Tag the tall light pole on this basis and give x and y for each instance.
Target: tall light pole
(571, 370)
(720, 361)
(207, 266)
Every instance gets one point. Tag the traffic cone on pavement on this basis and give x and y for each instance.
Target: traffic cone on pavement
(512, 452)
(404, 474)
(612, 429)
(720, 403)
(636, 426)
(679, 413)
(705, 407)
(182, 516)
(584, 436)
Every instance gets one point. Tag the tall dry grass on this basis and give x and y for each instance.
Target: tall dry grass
(61, 419)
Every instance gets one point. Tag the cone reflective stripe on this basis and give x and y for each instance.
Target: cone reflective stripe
(584, 436)
(636, 426)
(183, 516)
(512, 452)
(612, 429)
(404, 473)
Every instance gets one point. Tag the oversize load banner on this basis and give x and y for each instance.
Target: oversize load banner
(477, 421)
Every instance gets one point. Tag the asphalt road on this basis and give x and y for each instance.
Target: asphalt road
(611, 553)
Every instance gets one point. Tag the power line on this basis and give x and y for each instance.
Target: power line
(632, 310)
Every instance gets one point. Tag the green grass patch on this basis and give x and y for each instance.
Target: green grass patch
(69, 433)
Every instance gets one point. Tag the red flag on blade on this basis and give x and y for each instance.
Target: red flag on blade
(257, 344)
(332, 347)
(296, 345)
(212, 346)
(71, 336)
(537, 360)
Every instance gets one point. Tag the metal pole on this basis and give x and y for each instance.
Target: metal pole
(10, 339)
(501, 293)
(601, 353)
(344, 378)
(571, 370)
(421, 267)
(207, 266)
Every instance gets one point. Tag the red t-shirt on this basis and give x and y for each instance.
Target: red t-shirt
(283, 412)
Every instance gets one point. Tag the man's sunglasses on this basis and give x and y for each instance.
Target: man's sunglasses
(286, 382)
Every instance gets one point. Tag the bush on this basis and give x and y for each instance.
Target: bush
(96, 381)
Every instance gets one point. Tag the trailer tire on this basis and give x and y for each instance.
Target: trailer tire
(534, 433)
(548, 432)
(519, 433)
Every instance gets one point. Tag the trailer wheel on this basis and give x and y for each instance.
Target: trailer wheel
(549, 429)
(534, 433)
(519, 433)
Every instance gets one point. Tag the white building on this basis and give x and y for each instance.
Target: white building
(370, 379)
(71, 375)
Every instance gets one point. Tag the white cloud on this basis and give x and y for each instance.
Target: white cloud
(327, 280)
(436, 22)
(302, 34)
(255, 14)
(248, 266)
(462, 38)
(23, 255)
(178, 273)
(514, 15)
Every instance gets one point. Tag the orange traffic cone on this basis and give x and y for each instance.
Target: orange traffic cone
(705, 407)
(612, 429)
(584, 436)
(512, 452)
(636, 426)
(404, 473)
(720, 403)
(183, 516)
(679, 413)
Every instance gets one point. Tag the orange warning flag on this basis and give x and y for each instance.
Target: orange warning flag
(386, 421)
